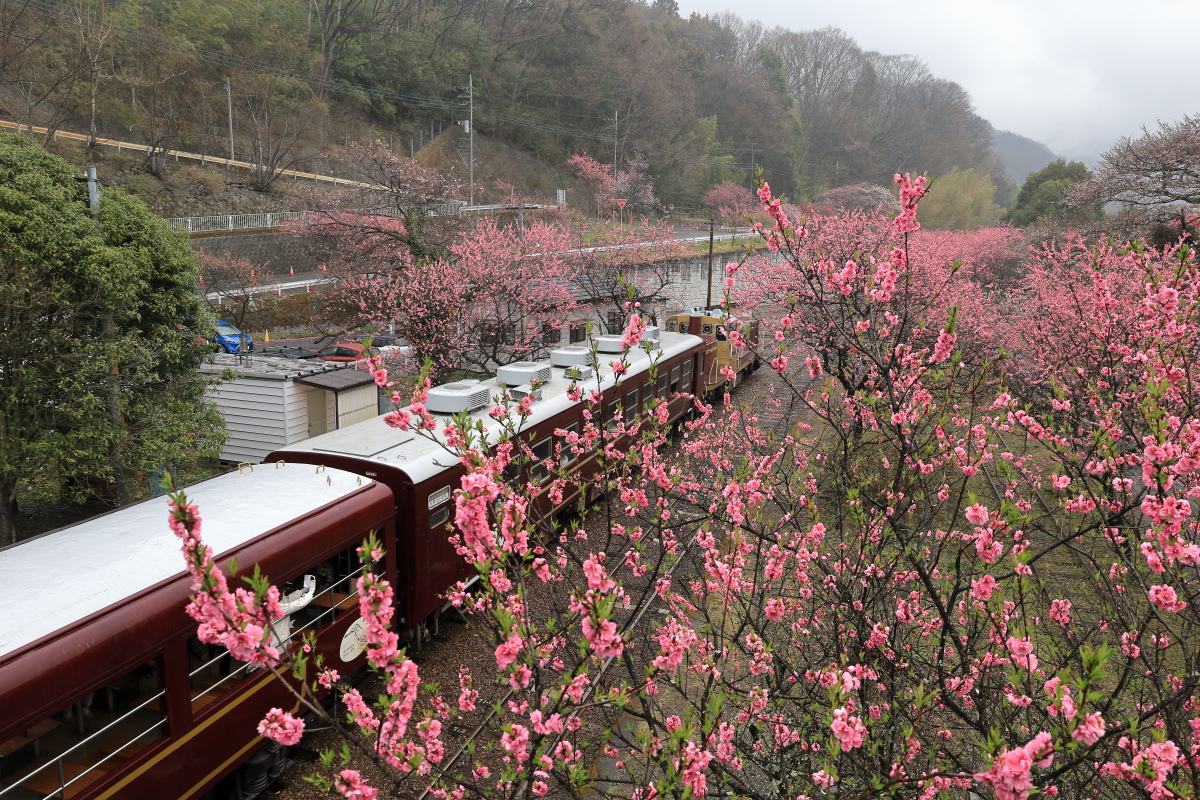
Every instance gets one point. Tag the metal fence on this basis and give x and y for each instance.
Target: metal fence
(234, 222)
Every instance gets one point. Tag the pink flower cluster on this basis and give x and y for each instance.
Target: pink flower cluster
(237, 621)
(911, 192)
(1011, 773)
(848, 729)
(279, 726)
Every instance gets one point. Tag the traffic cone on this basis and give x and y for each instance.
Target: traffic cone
(310, 288)
(201, 280)
(291, 272)
(324, 268)
(278, 292)
(266, 336)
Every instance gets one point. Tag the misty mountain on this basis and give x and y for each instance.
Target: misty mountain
(1019, 154)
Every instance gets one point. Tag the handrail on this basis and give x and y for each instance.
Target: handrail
(57, 760)
(328, 590)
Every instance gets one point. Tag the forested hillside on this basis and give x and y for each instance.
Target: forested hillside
(1020, 154)
(703, 99)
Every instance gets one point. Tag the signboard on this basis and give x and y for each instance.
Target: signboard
(354, 640)
(621, 203)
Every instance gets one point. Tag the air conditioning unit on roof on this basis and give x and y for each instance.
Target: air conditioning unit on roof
(580, 372)
(570, 356)
(453, 398)
(520, 372)
(651, 333)
(609, 343)
(521, 392)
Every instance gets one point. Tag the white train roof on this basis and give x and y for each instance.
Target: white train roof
(421, 459)
(52, 581)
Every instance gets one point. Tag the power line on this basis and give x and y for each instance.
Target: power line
(658, 151)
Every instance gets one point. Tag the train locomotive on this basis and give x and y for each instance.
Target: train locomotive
(106, 691)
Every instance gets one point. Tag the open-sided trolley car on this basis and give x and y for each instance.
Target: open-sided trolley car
(105, 691)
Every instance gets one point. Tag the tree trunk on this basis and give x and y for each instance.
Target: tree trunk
(8, 511)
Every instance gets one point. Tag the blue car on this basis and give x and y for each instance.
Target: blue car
(231, 339)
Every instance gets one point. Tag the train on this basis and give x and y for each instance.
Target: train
(106, 691)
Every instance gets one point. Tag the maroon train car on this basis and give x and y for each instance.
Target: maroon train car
(423, 475)
(104, 689)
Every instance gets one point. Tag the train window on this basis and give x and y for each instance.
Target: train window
(614, 410)
(685, 377)
(94, 735)
(674, 379)
(647, 397)
(213, 673)
(334, 593)
(721, 334)
(671, 326)
(543, 451)
(706, 329)
(567, 454)
(311, 601)
(439, 517)
(632, 402)
(662, 385)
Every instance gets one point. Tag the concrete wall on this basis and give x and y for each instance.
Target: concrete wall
(273, 252)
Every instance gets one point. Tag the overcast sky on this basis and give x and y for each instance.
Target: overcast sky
(1073, 75)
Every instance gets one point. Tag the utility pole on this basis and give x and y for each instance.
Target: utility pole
(229, 103)
(616, 127)
(469, 127)
(708, 302)
(471, 138)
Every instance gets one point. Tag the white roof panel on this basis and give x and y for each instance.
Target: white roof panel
(49, 582)
(422, 459)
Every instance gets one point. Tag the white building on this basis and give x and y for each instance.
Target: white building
(274, 401)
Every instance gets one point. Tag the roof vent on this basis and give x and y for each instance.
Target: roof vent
(452, 398)
(520, 372)
(521, 392)
(570, 356)
(650, 334)
(609, 343)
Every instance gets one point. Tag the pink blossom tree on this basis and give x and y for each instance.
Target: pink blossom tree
(501, 295)
(952, 568)
(730, 202)
(390, 201)
(869, 197)
(609, 183)
(1158, 172)
(616, 270)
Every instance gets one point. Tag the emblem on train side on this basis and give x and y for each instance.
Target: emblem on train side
(354, 640)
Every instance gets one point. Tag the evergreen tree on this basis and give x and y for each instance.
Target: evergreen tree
(1044, 192)
(98, 385)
